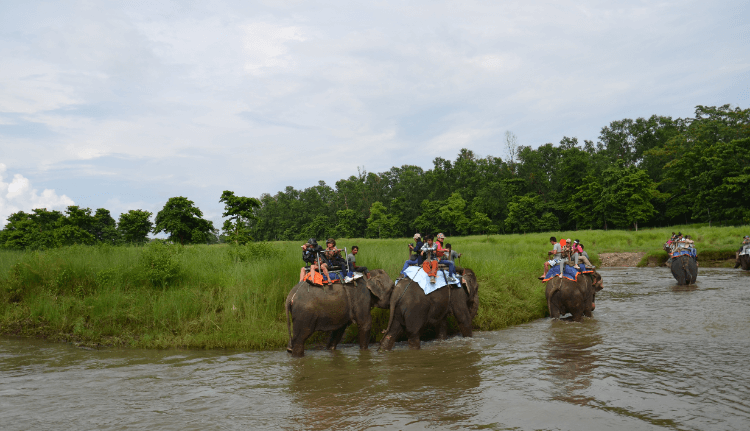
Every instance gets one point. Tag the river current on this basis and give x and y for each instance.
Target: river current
(654, 356)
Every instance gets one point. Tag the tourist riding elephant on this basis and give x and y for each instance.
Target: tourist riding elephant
(743, 260)
(412, 310)
(575, 297)
(684, 269)
(333, 308)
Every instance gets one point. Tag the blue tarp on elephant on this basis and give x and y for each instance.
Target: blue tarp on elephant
(690, 252)
(569, 272)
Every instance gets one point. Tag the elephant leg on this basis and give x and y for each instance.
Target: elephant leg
(335, 338)
(414, 328)
(443, 330)
(364, 335)
(694, 272)
(414, 342)
(587, 310)
(554, 309)
(301, 334)
(464, 321)
(390, 338)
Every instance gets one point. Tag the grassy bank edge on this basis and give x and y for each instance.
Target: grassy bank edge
(220, 301)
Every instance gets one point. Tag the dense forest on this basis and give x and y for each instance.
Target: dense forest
(645, 172)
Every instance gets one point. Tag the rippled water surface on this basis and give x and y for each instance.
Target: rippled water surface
(655, 356)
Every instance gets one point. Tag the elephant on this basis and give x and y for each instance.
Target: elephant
(743, 260)
(575, 297)
(412, 310)
(333, 308)
(684, 269)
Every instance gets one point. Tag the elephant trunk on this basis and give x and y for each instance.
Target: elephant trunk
(393, 308)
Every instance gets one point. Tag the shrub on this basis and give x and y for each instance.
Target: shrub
(253, 251)
(160, 264)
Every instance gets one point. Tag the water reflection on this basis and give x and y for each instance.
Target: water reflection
(651, 358)
(572, 358)
(368, 388)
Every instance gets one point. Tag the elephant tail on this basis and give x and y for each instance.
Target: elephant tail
(288, 309)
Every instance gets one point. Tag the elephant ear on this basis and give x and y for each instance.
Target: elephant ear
(472, 288)
(381, 286)
(597, 281)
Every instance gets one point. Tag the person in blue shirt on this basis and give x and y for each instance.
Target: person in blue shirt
(414, 259)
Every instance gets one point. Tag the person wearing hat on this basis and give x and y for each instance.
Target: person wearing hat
(311, 252)
(414, 259)
(442, 254)
(430, 263)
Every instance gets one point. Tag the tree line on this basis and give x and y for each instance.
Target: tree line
(180, 219)
(642, 172)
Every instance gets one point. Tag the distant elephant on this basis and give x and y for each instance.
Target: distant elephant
(575, 297)
(412, 311)
(743, 260)
(684, 269)
(333, 308)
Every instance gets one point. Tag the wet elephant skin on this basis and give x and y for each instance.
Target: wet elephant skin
(574, 297)
(333, 307)
(412, 311)
(684, 269)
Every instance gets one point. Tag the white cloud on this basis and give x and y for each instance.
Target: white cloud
(18, 195)
(266, 47)
(192, 98)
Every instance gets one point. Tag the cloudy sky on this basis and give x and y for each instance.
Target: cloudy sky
(124, 104)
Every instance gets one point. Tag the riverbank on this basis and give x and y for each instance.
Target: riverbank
(208, 297)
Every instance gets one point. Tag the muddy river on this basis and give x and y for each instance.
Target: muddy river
(655, 356)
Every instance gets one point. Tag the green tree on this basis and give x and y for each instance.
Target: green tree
(70, 235)
(480, 224)
(349, 225)
(239, 210)
(522, 214)
(318, 228)
(627, 195)
(548, 222)
(19, 232)
(183, 221)
(134, 226)
(380, 224)
(104, 227)
(430, 221)
(453, 212)
(586, 207)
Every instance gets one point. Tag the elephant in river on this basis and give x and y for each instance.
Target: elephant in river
(743, 260)
(575, 297)
(333, 308)
(684, 269)
(413, 311)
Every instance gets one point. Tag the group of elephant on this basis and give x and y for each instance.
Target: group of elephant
(331, 308)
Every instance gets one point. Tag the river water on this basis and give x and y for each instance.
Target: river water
(655, 356)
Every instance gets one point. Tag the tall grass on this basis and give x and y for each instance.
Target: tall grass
(162, 296)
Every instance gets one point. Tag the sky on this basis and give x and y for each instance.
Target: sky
(125, 104)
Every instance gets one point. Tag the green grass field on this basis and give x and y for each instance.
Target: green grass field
(219, 296)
